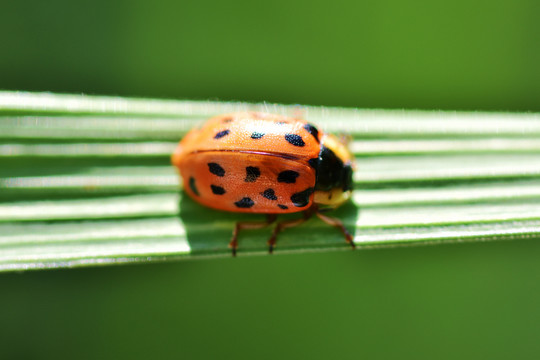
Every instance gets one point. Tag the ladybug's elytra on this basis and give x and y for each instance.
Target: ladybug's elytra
(256, 162)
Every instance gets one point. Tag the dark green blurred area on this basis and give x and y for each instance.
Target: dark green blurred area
(390, 54)
(444, 302)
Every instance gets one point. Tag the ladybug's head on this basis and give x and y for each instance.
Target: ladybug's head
(334, 172)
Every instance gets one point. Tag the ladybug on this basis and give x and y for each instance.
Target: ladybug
(253, 162)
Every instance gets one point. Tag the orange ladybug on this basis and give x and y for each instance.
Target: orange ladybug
(254, 162)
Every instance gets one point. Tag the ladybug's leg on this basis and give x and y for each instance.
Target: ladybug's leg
(286, 224)
(337, 223)
(270, 218)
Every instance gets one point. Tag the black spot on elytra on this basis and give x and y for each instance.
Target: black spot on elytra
(288, 176)
(221, 134)
(192, 186)
(257, 135)
(252, 173)
(244, 203)
(312, 130)
(270, 194)
(284, 207)
(301, 199)
(216, 169)
(218, 190)
(295, 140)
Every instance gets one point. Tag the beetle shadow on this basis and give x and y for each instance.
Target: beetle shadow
(209, 231)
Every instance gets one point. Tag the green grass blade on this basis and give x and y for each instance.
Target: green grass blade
(87, 180)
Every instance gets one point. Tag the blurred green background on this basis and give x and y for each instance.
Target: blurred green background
(445, 302)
